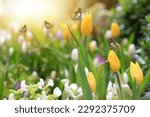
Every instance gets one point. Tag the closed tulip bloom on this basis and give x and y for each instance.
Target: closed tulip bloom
(65, 31)
(113, 61)
(115, 30)
(136, 73)
(91, 81)
(86, 25)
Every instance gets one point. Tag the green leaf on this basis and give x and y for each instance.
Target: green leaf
(82, 80)
(146, 81)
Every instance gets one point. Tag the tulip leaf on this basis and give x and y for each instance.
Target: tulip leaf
(82, 80)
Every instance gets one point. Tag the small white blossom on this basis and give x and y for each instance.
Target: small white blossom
(57, 92)
(24, 47)
(125, 41)
(66, 73)
(108, 34)
(64, 81)
(11, 51)
(44, 96)
(40, 84)
(11, 96)
(132, 49)
(53, 75)
(23, 86)
(2, 39)
(95, 62)
(34, 74)
(92, 45)
(21, 39)
(74, 86)
(50, 83)
(29, 35)
(74, 54)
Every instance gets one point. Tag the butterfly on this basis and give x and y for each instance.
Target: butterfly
(113, 44)
(77, 15)
(48, 25)
(23, 29)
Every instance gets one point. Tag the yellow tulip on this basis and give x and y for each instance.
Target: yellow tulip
(91, 81)
(65, 31)
(136, 73)
(113, 61)
(86, 24)
(115, 30)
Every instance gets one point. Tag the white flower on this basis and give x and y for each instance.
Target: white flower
(92, 45)
(108, 34)
(23, 86)
(50, 83)
(21, 39)
(125, 41)
(11, 51)
(11, 96)
(131, 49)
(74, 86)
(29, 35)
(64, 81)
(24, 47)
(74, 54)
(8, 36)
(34, 74)
(66, 73)
(110, 86)
(125, 77)
(2, 39)
(109, 95)
(95, 62)
(57, 92)
(44, 96)
(53, 75)
(86, 71)
(76, 68)
(40, 84)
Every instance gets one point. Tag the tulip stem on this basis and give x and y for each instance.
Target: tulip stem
(119, 83)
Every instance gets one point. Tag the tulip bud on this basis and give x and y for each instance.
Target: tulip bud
(74, 54)
(65, 31)
(86, 25)
(91, 81)
(132, 49)
(113, 61)
(92, 46)
(136, 73)
(115, 30)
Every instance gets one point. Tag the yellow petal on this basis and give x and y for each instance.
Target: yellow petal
(87, 24)
(91, 81)
(65, 31)
(115, 30)
(113, 61)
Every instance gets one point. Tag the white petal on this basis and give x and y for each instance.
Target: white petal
(57, 92)
(11, 96)
(23, 86)
(74, 86)
(50, 83)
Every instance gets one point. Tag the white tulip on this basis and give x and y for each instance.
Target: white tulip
(74, 54)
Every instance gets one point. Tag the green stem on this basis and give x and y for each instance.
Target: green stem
(119, 83)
